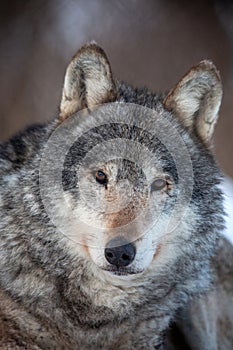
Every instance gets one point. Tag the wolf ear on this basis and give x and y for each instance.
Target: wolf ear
(196, 99)
(88, 81)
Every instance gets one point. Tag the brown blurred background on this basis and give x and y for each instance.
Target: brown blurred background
(150, 42)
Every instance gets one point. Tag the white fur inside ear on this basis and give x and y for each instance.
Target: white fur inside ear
(188, 97)
(196, 99)
(97, 88)
(88, 81)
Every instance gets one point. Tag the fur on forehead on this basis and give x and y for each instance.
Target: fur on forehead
(196, 100)
(88, 81)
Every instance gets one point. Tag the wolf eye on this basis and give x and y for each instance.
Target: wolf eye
(158, 184)
(100, 177)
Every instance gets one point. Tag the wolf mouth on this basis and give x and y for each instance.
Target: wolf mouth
(122, 271)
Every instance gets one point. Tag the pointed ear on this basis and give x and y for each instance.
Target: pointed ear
(196, 100)
(88, 81)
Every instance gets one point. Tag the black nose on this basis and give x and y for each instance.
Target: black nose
(119, 252)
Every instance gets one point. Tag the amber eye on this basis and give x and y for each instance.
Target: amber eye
(158, 184)
(100, 177)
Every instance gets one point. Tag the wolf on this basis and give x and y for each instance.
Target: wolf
(97, 250)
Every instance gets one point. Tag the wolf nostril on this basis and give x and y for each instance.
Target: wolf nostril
(125, 257)
(120, 253)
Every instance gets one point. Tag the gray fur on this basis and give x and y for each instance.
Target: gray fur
(56, 297)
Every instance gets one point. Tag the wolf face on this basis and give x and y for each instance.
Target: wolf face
(120, 173)
(113, 208)
(123, 196)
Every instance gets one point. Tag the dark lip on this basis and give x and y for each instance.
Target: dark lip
(121, 271)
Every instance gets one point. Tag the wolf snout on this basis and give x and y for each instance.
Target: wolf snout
(119, 252)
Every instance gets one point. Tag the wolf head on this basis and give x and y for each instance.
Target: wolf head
(138, 177)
